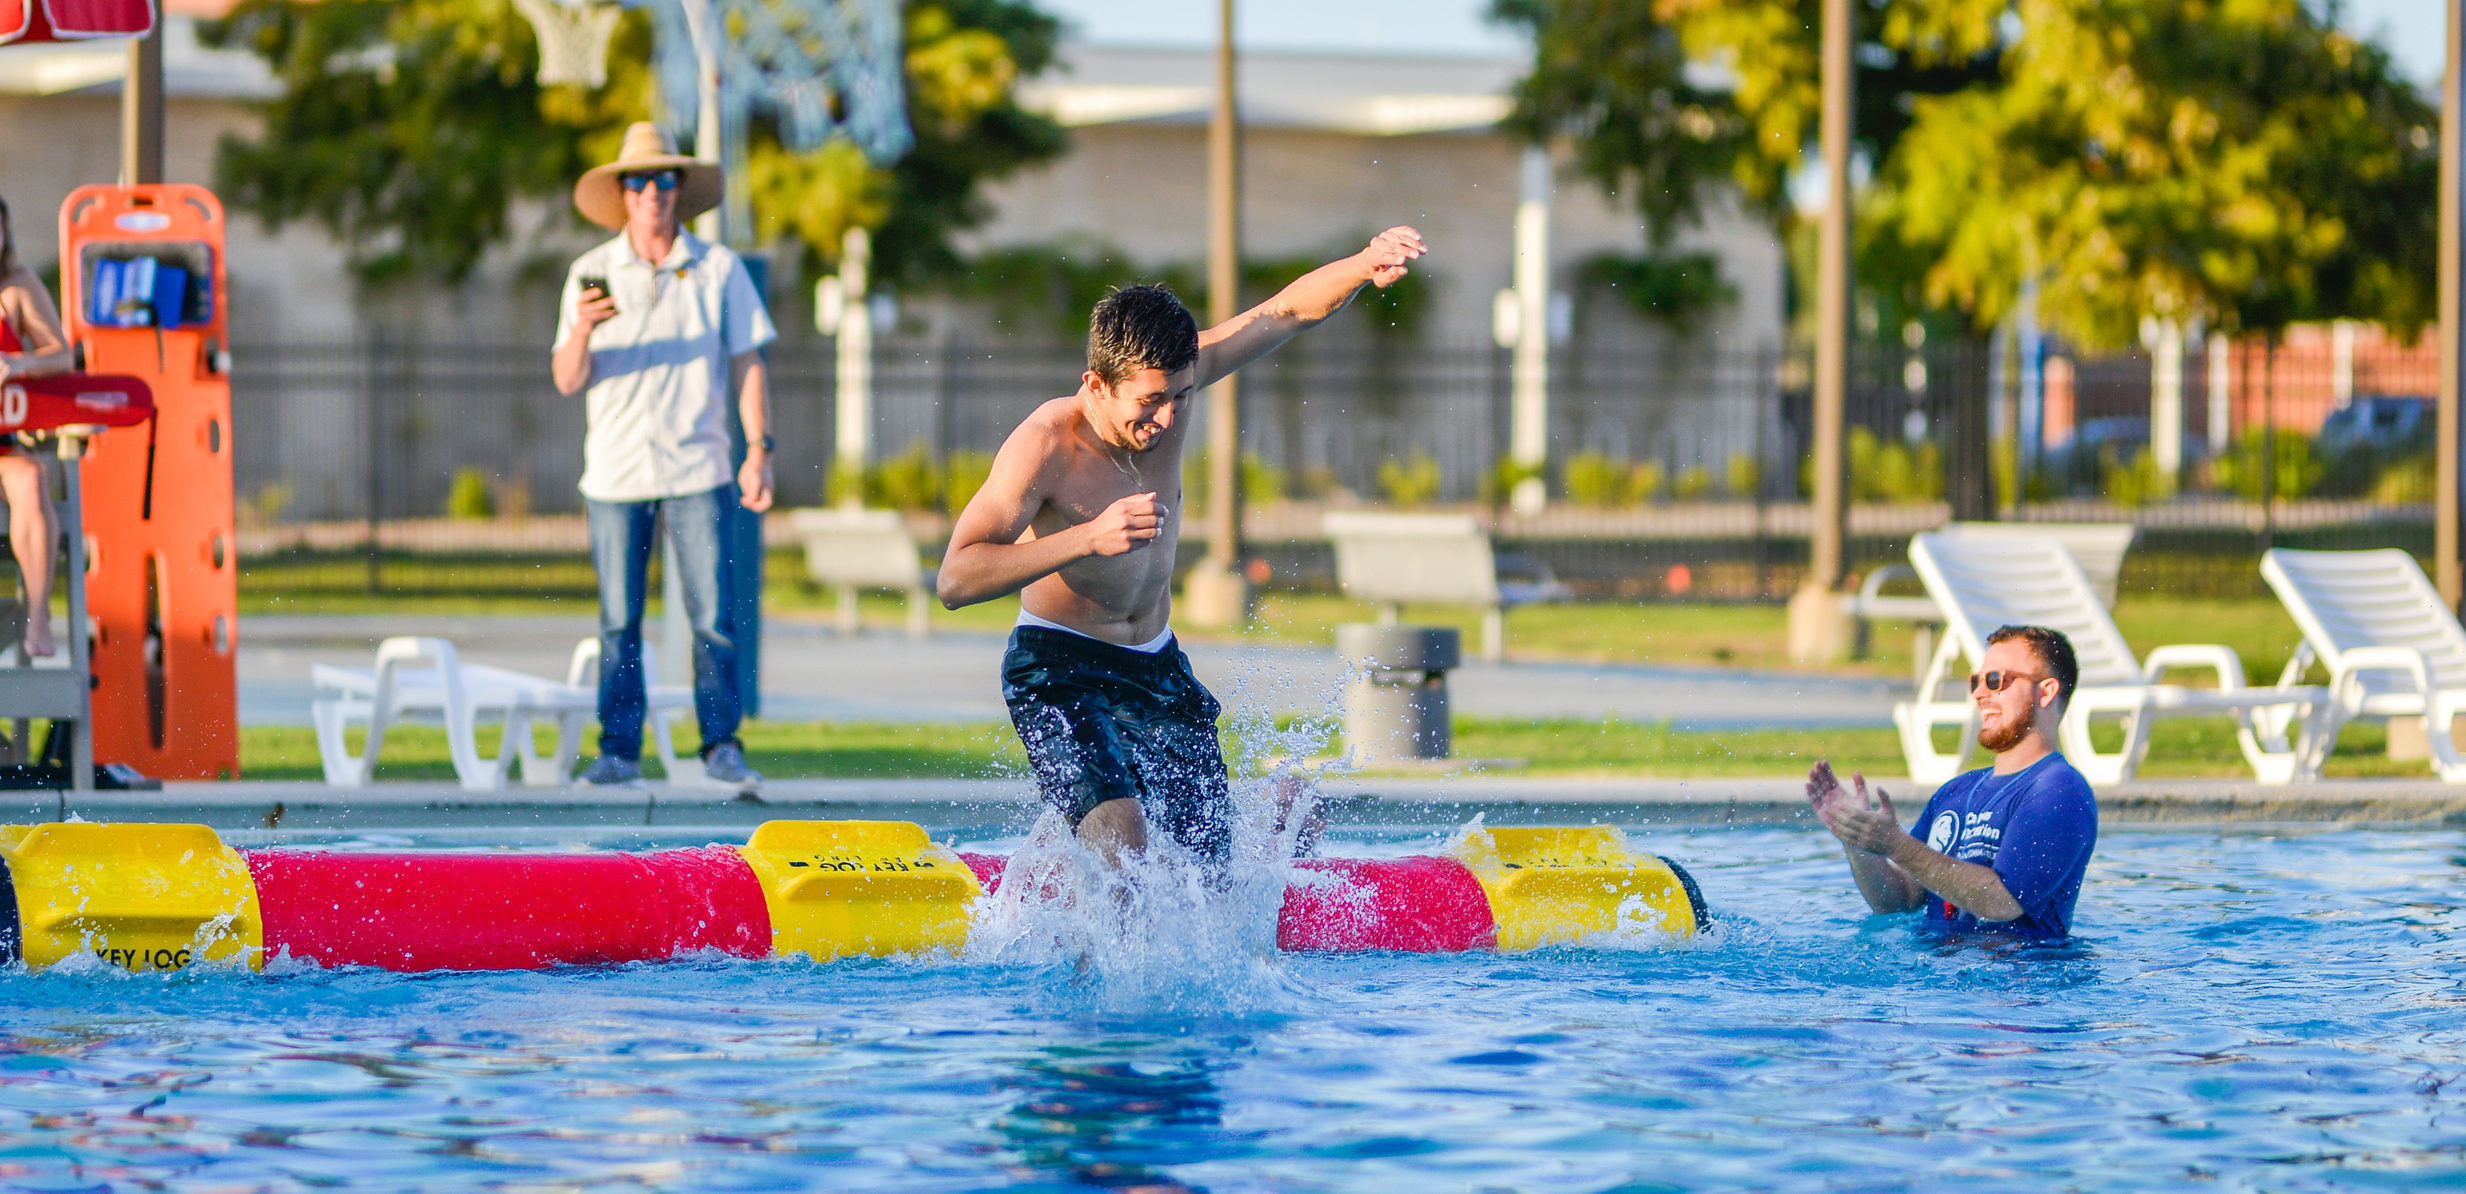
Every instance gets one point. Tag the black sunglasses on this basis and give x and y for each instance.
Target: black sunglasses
(665, 180)
(1995, 681)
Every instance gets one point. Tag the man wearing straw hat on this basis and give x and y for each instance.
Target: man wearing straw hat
(657, 327)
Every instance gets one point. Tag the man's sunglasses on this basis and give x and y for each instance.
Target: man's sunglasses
(1995, 681)
(665, 180)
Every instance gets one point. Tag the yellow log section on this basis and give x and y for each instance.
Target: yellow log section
(1550, 885)
(143, 897)
(837, 888)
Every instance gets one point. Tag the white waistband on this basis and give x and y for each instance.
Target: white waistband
(1150, 647)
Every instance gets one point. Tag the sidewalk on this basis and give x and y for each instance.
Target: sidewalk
(813, 674)
(977, 807)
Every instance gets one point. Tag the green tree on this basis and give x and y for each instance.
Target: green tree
(407, 128)
(2237, 161)
(1612, 75)
(1615, 77)
(2240, 161)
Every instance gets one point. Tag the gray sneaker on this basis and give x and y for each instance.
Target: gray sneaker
(608, 771)
(726, 765)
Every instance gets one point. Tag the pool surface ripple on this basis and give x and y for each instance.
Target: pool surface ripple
(2243, 1012)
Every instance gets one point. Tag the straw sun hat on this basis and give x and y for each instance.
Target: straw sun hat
(602, 197)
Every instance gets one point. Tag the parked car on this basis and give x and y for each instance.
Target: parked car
(2077, 465)
(2382, 423)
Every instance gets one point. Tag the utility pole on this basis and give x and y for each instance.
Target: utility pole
(1819, 630)
(702, 23)
(1216, 593)
(2452, 352)
(676, 635)
(141, 110)
(853, 330)
(1528, 423)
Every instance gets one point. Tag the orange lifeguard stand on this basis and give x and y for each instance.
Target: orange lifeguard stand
(162, 586)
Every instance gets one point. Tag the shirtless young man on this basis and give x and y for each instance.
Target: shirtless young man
(1081, 516)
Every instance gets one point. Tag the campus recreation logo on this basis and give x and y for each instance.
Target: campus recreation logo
(1939, 835)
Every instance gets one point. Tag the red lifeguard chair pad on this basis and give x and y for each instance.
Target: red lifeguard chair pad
(73, 20)
(74, 400)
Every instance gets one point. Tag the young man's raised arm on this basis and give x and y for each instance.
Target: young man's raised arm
(1308, 300)
(986, 558)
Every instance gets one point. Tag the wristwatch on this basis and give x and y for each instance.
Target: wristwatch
(768, 444)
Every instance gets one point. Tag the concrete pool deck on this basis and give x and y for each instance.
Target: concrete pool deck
(812, 673)
(1356, 800)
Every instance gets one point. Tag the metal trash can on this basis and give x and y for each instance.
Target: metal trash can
(1395, 705)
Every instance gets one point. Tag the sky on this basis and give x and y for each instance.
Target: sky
(2411, 28)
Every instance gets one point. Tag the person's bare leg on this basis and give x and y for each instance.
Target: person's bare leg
(33, 538)
(1292, 790)
(1114, 829)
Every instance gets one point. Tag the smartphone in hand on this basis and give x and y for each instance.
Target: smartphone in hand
(595, 282)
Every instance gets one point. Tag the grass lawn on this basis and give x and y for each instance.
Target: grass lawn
(1664, 633)
(833, 750)
(780, 750)
(1757, 636)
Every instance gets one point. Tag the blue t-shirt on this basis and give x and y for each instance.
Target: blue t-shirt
(2035, 827)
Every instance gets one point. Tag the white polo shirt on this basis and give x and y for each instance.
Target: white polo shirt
(658, 402)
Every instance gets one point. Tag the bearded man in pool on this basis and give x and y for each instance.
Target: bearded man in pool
(1080, 517)
(2001, 849)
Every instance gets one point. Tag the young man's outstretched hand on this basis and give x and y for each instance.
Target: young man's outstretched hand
(1391, 254)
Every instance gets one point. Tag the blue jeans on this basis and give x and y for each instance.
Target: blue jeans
(621, 541)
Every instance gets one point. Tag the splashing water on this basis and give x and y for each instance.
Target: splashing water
(1166, 931)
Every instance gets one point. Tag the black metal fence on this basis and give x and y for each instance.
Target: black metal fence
(387, 465)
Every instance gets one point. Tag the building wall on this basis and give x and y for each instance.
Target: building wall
(1142, 188)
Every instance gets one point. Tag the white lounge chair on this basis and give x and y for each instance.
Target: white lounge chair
(1984, 583)
(424, 680)
(2391, 645)
(1444, 559)
(851, 550)
(2098, 547)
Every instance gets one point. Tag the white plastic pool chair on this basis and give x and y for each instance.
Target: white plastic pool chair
(2098, 547)
(2392, 647)
(424, 680)
(1982, 583)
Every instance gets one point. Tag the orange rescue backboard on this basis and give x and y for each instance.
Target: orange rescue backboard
(162, 560)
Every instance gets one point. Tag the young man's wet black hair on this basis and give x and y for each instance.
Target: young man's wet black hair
(1140, 327)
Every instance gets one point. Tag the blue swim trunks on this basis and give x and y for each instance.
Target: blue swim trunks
(1102, 722)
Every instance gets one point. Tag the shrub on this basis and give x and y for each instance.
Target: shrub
(2004, 465)
(908, 481)
(1412, 481)
(1644, 481)
(2407, 481)
(2134, 483)
(1505, 476)
(1260, 481)
(1694, 481)
(2298, 471)
(266, 506)
(1891, 471)
(1745, 475)
(962, 475)
(1593, 479)
(468, 497)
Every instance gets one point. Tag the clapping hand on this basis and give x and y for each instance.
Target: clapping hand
(1858, 819)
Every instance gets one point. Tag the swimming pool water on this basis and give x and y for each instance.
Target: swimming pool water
(2241, 1012)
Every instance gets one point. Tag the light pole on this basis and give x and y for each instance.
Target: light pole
(141, 110)
(1217, 594)
(1819, 630)
(1528, 421)
(2452, 353)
